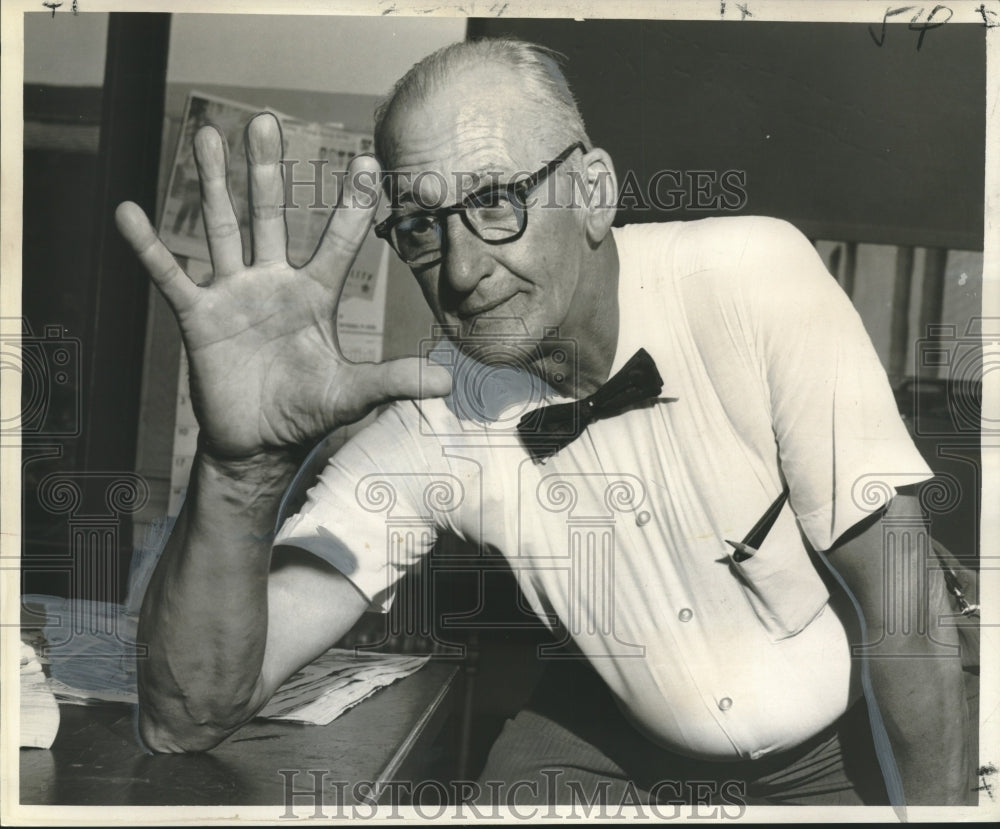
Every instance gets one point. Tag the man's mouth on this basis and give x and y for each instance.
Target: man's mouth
(472, 311)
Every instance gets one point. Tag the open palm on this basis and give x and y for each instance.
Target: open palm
(266, 368)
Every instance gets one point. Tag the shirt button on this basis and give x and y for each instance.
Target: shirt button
(685, 614)
(642, 519)
(725, 704)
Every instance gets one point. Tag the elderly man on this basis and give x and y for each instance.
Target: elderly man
(726, 658)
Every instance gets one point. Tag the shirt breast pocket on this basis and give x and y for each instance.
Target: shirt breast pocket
(779, 580)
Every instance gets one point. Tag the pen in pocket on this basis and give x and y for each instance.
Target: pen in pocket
(741, 551)
(748, 547)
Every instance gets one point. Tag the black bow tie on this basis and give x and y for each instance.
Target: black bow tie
(547, 430)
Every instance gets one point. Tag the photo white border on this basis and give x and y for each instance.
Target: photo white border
(857, 11)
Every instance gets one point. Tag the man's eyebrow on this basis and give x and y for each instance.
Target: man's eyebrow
(484, 175)
(405, 199)
(465, 181)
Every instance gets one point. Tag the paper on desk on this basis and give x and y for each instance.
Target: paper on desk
(89, 646)
(90, 650)
(39, 711)
(336, 681)
(317, 694)
(90, 696)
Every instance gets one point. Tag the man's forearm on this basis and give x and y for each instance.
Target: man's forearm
(916, 672)
(204, 616)
(921, 698)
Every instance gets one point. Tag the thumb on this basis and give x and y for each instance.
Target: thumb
(408, 378)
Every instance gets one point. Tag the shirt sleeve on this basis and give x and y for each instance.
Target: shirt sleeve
(843, 447)
(366, 514)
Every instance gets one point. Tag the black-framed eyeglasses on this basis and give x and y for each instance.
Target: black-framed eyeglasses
(496, 213)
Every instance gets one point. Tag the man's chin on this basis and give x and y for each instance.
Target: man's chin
(495, 325)
(501, 351)
(493, 328)
(499, 343)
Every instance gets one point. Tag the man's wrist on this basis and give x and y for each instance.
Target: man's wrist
(252, 479)
(261, 461)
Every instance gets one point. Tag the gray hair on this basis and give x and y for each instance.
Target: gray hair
(556, 117)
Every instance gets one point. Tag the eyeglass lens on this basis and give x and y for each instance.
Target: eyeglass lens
(492, 215)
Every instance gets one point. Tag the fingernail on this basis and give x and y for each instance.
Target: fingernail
(209, 148)
(359, 156)
(261, 140)
(208, 136)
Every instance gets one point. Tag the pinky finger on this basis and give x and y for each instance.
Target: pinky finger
(173, 283)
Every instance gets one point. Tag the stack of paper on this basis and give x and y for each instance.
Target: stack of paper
(39, 711)
(319, 693)
(90, 648)
(339, 679)
(91, 696)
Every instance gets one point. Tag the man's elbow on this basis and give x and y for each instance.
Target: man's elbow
(159, 736)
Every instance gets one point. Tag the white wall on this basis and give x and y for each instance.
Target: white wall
(65, 50)
(363, 55)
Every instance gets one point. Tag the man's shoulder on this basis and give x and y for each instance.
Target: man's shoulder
(718, 260)
(714, 241)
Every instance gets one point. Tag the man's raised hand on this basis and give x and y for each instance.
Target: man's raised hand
(266, 369)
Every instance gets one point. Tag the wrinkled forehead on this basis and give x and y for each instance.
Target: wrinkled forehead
(458, 138)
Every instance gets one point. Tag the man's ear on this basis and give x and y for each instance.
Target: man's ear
(599, 193)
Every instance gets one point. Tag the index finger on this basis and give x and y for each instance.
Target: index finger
(175, 285)
(348, 226)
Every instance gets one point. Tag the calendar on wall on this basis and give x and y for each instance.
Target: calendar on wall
(361, 312)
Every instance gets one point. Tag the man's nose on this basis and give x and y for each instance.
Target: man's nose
(467, 258)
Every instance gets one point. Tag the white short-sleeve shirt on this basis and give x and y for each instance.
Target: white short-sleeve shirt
(769, 381)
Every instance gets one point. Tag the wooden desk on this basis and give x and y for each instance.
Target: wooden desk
(96, 761)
